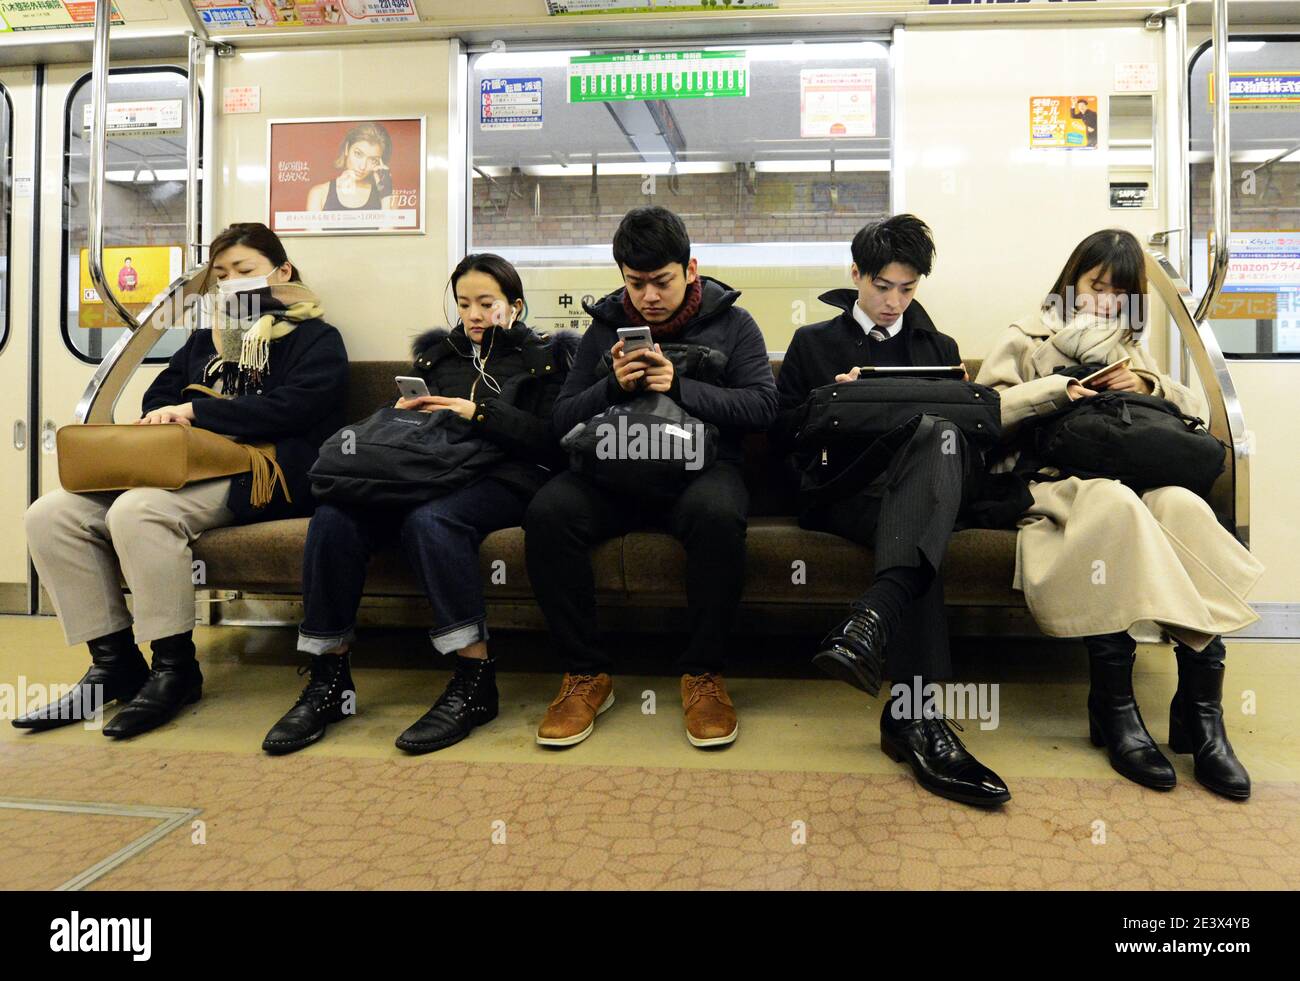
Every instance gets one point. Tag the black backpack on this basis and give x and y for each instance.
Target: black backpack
(1141, 440)
(401, 458)
(647, 447)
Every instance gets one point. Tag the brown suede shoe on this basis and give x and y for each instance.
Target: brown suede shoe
(710, 716)
(572, 715)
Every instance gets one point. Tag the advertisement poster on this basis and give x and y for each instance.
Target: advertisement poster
(837, 102)
(510, 103)
(299, 13)
(1269, 91)
(659, 75)
(558, 8)
(44, 15)
(1264, 262)
(1063, 121)
(347, 175)
(137, 273)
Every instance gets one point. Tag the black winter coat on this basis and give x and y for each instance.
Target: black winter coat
(745, 401)
(300, 403)
(530, 369)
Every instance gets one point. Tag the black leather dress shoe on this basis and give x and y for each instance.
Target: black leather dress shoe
(117, 671)
(470, 700)
(854, 651)
(941, 763)
(174, 682)
(330, 696)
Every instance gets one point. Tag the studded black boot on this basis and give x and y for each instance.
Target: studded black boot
(1196, 721)
(470, 700)
(174, 682)
(330, 696)
(117, 671)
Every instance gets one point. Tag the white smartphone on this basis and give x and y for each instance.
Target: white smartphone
(1104, 372)
(635, 339)
(411, 387)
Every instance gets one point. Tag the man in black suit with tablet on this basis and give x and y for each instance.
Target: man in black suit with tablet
(907, 512)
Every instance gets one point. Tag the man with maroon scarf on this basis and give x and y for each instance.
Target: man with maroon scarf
(662, 289)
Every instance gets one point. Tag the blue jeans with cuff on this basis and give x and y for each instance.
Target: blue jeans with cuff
(441, 541)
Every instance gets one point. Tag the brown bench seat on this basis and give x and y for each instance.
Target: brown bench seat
(643, 571)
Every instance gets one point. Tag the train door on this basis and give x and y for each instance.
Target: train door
(144, 211)
(17, 137)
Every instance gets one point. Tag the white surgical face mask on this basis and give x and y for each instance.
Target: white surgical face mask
(247, 284)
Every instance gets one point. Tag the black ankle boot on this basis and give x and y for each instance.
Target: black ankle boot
(1113, 717)
(174, 682)
(1196, 721)
(470, 700)
(854, 651)
(117, 670)
(330, 696)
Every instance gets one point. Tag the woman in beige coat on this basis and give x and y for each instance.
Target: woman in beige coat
(1094, 558)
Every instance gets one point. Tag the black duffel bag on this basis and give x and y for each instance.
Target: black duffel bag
(852, 431)
(401, 458)
(1142, 441)
(870, 408)
(647, 447)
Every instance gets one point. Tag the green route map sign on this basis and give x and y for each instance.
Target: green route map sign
(659, 75)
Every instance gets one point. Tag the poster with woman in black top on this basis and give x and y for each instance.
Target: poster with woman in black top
(346, 176)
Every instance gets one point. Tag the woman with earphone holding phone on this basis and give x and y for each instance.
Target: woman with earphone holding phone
(500, 375)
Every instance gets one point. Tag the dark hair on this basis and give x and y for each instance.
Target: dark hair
(365, 133)
(650, 238)
(902, 238)
(257, 237)
(127, 259)
(491, 264)
(1120, 256)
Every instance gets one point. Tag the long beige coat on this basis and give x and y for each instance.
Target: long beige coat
(1092, 557)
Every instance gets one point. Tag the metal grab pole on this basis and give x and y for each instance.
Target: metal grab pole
(98, 153)
(1222, 181)
(193, 247)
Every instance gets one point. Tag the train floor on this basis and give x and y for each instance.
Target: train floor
(804, 799)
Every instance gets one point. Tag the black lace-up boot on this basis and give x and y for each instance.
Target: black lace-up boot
(1196, 721)
(1113, 717)
(174, 682)
(330, 696)
(941, 762)
(854, 651)
(470, 700)
(117, 670)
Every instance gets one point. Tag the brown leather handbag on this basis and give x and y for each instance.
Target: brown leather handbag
(111, 457)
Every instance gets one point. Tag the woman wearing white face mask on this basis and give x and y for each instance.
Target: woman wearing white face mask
(1094, 558)
(280, 376)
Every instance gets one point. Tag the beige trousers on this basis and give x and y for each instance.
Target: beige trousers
(77, 542)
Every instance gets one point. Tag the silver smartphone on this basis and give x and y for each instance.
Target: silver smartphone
(635, 339)
(411, 387)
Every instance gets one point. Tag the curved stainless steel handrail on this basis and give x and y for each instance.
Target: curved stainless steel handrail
(193, 247)
(98, 155)
(1222, 180)
(167, 312)
(1230, 496)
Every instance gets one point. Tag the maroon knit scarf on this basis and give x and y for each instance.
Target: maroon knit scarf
(673, 325)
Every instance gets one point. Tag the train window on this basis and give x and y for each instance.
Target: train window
(1258, 314)
(6, 208)
(144, 205)
(776, 147)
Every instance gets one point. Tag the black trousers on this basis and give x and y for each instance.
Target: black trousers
(571, 513)
(908, 517)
